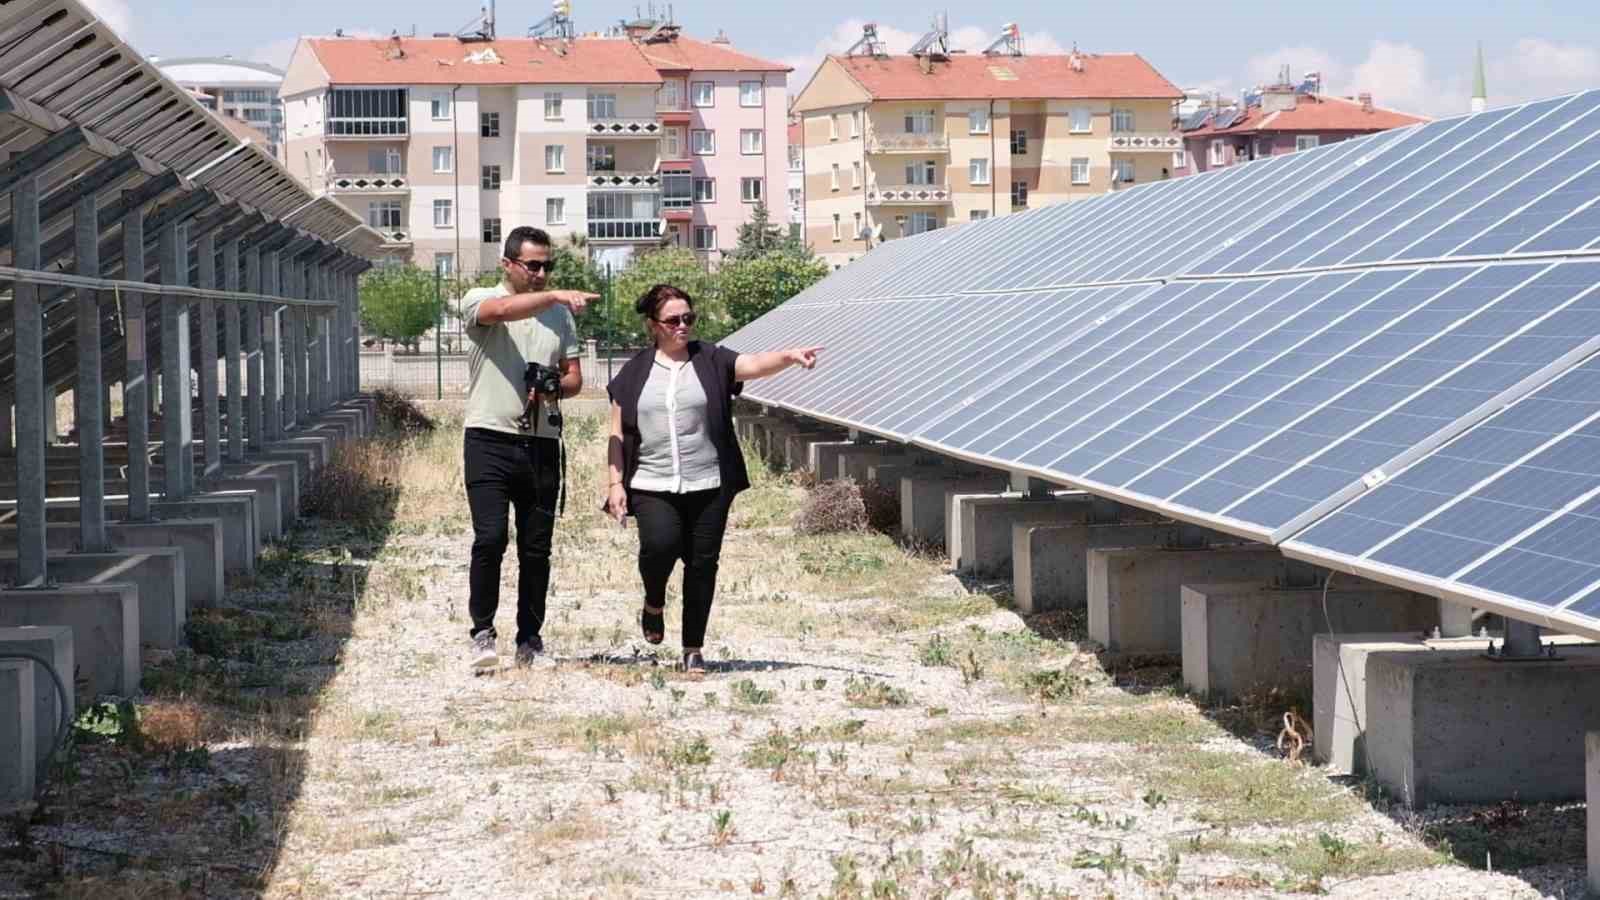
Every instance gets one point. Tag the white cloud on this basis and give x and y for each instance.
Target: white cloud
(971, 38)
(1535, 67)
(117, 14)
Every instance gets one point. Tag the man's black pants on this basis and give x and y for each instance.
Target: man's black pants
(687, 527)
(523, 473)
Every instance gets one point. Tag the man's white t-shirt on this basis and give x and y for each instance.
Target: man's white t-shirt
(499, 355)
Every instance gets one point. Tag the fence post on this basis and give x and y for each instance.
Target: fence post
(438, 330)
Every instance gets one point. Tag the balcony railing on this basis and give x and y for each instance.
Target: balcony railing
(641, 181)
(908, 194)
(394, 235)
(1136, 142)
(365, 128)
(624, 128)
(907, 143)
(377, 183)
(624, 229)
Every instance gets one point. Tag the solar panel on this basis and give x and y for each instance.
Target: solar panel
(1226, 117)
(1252, 349)
(1195, 119)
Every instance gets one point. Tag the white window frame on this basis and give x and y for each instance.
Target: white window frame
(448, 155)
(449, 263)
(752, 142)
(703, 91)
(1080, 120)
(555, 158)
(1180, 159)
(921, 223)
(795, 195)
(977, 215)
(833, 126)
(796, 160)
(709, 235)
(836, 227)
(746, 195)
(978, 121)
(603, 100)
(378, 214)
(709, 195)
(672, 142)
(606, 153)
(920, 121)
(1123, 121)
(922, 174)
(855, 174)
(703, 142)
(1019, 133)
(1217, 156)
(745, 88)
(834, 177)
(855, 123)
(1074, 166)
(553, 104)
(1119, 166)
(672, 94)
(979, 170)
(444, 214)
(439, 107)
(555, 210)
(1307, 142)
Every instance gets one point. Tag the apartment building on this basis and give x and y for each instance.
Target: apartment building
(797, 177)
(233, 88)
(445, 144)
(1275, 120)
(896, 145)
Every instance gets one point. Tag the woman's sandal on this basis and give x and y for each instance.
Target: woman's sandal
(652, 624)
(694, 663)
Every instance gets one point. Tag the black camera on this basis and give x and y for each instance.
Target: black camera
(540, 381)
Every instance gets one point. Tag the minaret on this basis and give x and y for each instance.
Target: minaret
(1480, 90)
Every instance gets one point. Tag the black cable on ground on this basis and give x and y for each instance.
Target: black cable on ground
(65, 725)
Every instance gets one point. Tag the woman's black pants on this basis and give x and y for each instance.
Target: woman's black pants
(687, 527)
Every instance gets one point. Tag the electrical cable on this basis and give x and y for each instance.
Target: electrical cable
(64, 704)
(1338, 659)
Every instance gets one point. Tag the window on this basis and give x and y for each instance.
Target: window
(381, 161)
(443, 214)
(750, 141)
(978, 121)
(1180, 159)
(1019, 194)
(1080, 170)
(835, 226)
(794, 196)
(705, 237)
(855, 174)
(703, 142)
(795, 160)
(602, 106)
(978, 171)
(555, 158)
(245, 96)
(1019, 142)
(704, 93)
(833, 177)
(677, 191)
(444, 159)
(440, 107)
(750, 190)
(833, 127)
(489, 125)
(555, 211)
(602, 158)
(922, 173)
(1082, 122)
(367, 112)
(1217, 157)
(672, 142)
(491, 231)
(919, 122)
(1122, 171)
(978, 215)
(919, 222)
(444, 263)
(671, 94)
(1122, 121)
(1263, 149)
(705, 190)
(255, 115)
(384, 214)
(855, 123)
(552, 105)
(491, 178)
(1306, 141)
(749, 93)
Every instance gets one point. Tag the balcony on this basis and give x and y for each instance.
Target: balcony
(633, 230)
(673, 113)
(908, 143)
(365, 129)
(908, 194)
(624, 181)
(372, 183)
(624, 128)
(1137, 142)
(394, 237)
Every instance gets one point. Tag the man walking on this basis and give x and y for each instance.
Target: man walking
(512, 461)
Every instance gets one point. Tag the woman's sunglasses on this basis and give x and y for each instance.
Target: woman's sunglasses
(533, 266)
(687, 320)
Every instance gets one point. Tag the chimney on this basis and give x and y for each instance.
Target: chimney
(926, 62)
(1277, 98)
(721, 38)
(1366, 102)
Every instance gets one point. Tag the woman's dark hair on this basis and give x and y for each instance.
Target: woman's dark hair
(651, 301)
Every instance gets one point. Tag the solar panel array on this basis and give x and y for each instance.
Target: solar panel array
(1351, 351)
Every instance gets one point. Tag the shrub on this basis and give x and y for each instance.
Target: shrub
(832, 507)
(397, 413)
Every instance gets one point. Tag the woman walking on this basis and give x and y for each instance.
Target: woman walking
(673, 462)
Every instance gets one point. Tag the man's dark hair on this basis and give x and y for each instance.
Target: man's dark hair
(651, 301)
(524, 234)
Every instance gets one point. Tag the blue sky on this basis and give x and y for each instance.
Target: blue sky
(1414, 56)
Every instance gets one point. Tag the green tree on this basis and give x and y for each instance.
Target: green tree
(399, 303)
(747, 288)
(675, 266)
(760, 235)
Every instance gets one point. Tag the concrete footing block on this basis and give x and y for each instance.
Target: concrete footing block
(823, 457)
(53, 642)
(286, 474)
(1135, 605)
(925, 501)
(1049, 563)
(157, 574)
(985, 522)
(772, 441)
(103, 619)
(888, 475)
(856, 461)
(18, 735)
(1242, 637)
(200, 540)
(236, 513)
(797, 450)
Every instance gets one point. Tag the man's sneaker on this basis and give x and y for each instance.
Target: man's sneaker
(483, 652)
(532, 654)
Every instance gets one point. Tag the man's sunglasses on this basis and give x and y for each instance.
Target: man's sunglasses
(533, 266)
(687, 320)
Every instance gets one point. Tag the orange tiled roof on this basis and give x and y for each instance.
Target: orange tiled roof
(367, 61)
(704, 56)
(1319, 114)
(978, 77)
